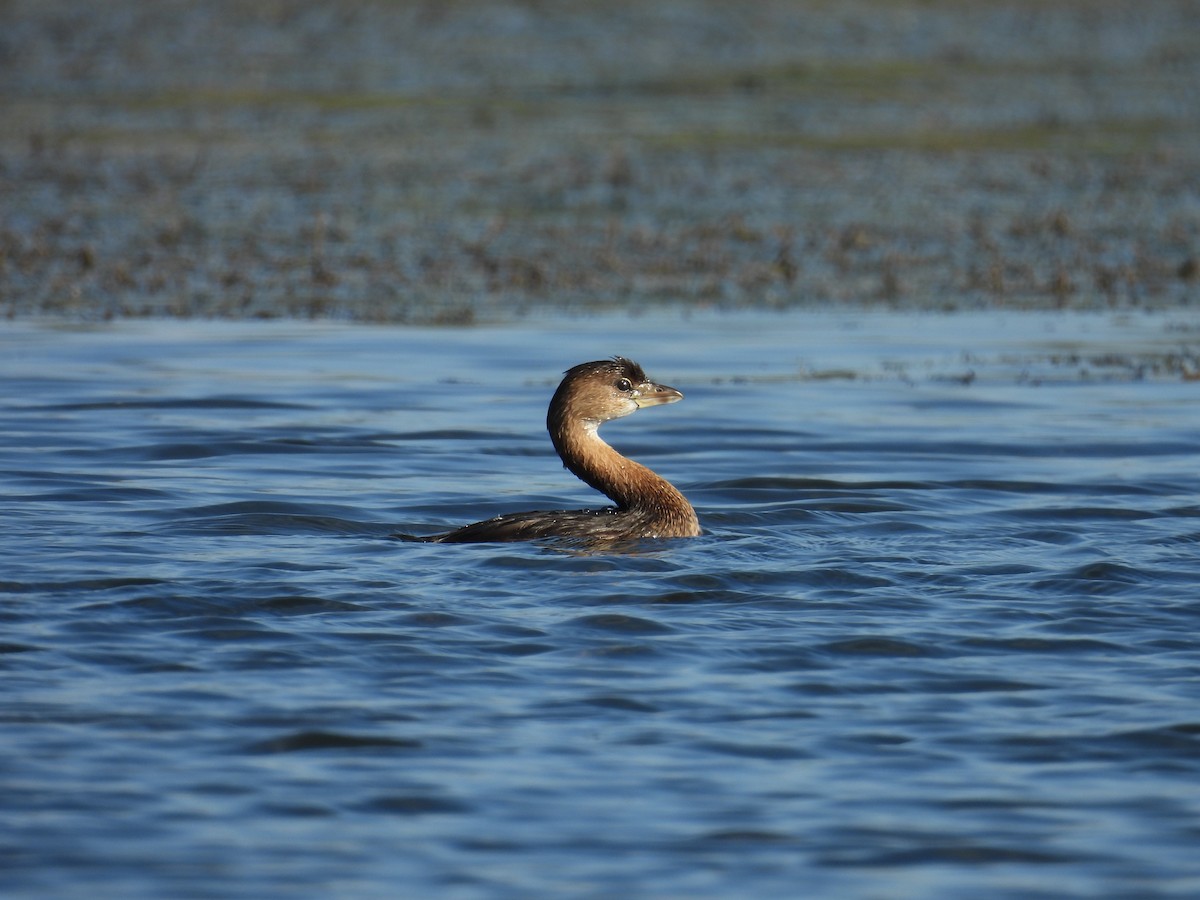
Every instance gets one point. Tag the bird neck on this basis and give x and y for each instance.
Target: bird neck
(629, 484)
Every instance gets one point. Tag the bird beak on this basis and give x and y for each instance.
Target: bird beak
(656, 395)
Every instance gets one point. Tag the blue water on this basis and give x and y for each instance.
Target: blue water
(940, 639)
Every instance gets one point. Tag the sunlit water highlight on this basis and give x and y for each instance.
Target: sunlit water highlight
(940, 638)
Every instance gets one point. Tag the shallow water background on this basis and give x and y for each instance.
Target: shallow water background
(456, 162)
(940, 637)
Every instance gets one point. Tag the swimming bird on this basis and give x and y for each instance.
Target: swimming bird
(647, 505)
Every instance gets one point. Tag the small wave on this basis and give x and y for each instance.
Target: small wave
(1101, 577)
(270, 517)
(303, 741)
(618, 624)
(166, 403)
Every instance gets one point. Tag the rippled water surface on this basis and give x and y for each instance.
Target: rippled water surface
(940, 638)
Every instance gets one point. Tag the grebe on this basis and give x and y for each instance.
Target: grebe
(648, 506)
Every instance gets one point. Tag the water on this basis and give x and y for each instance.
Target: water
(939, 640)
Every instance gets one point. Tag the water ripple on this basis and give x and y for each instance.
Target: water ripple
(935, 628)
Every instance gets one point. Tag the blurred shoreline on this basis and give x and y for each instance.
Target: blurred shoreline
(469, 162)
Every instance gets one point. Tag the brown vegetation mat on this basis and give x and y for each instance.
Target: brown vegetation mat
(465, 161)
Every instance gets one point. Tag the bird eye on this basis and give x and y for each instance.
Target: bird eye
(624, 385)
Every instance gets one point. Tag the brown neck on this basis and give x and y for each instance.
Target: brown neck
(629, 484)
